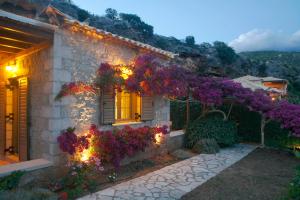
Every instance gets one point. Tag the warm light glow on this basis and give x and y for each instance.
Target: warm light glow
(126, 72)
(12, 70)
(85, 155)
(158, 138)
(297, 147)
(273, 98)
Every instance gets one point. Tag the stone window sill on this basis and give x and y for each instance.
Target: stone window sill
(126, 123)
(24, 166)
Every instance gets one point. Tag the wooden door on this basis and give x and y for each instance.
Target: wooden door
(22, 118)
(2, 118)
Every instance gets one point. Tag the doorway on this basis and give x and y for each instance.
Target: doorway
(14, 145)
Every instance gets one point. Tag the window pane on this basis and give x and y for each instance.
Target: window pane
(127, 106)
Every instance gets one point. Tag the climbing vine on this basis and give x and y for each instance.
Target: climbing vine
(149, 76)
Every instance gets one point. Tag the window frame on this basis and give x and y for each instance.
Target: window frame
(135, 107)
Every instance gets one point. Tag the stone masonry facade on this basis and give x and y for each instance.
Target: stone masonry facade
(76, 57)
(73, 56)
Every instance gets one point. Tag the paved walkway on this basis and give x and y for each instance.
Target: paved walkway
(173, 181)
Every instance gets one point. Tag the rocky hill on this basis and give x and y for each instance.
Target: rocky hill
(206, 59)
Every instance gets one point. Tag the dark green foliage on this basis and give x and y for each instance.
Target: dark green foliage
(136, 23)
(294, 187)
(71, 9)
(248, 123)
(262, 70)
(277, 137)
(82, 15)
(226, 54)
(28, 194)
(11, 181)
(178, 113)
(213, 126)
(111, 13)
(208, 146)
(190, 40)
(249, 129)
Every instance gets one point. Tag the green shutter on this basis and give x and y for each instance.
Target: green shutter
(147, 108)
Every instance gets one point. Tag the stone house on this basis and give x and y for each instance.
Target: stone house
(37, 56)
(275, 87)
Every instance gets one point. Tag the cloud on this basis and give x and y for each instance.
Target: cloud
(258, 40)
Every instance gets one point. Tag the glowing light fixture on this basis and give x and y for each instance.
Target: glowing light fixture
(158, 138)
(12, 70)
(126, 72)
(85, 155)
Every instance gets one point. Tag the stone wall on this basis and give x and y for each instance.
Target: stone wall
(76, 58)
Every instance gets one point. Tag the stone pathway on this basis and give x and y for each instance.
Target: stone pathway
(173, 181)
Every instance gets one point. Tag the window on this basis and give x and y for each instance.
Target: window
(127, 106)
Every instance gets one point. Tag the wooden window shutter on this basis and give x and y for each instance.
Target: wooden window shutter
(23, 119)
(107, 107)
(147, 106)
(2, 117)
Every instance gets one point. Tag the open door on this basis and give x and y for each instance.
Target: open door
(14, 141)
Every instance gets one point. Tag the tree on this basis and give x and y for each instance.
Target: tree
(226, 54)
(190, 40)
(111, 13)
(136, 23)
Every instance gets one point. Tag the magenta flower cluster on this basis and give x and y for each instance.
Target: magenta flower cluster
(110, 146)
(153, 78)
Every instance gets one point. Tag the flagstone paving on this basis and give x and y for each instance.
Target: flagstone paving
(175, 180)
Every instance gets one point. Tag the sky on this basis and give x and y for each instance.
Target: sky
(246, 25)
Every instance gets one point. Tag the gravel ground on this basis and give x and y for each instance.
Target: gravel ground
(263, 175)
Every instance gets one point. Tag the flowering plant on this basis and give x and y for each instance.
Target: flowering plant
(74, 88)
(111, 146)
(109, 75)
(69, 142)
(151, 77)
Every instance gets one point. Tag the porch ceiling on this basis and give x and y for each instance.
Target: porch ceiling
(17, 36)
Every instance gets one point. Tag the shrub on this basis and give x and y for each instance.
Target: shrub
(208, 146)
(190, 40)
(28, 194)
(249, 123)
(111, 13)
(213, 126)
(226, 54)
(178, 113)
(294, 187)
(11, 181)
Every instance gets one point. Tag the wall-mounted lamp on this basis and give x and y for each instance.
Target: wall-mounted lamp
(12, 69)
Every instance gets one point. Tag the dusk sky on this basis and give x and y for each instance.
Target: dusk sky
(243, 24)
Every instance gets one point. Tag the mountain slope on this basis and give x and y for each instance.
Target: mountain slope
(206, 59)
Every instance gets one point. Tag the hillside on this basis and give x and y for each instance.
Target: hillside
(278, 63)
(205, 59)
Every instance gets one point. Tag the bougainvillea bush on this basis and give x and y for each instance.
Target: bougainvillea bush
(109, 146)
(74, 88)
(149, 76)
